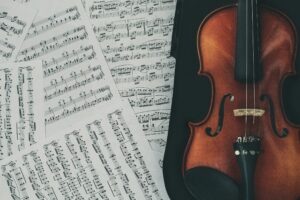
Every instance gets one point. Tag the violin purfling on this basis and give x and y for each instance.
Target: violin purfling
(246, 148)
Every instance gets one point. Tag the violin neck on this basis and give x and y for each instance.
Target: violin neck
(248, 67)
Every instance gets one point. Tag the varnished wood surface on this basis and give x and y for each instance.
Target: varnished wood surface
(278, 166)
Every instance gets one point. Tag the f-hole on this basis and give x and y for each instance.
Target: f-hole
(208, 130)
(284, 132)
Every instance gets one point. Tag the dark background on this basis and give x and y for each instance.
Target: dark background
(192, 93)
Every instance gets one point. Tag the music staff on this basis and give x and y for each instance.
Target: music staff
(26, 125)
(16, 180)
(6, 49)
(143, 68)
(70, 162)
(57, 42)
(154, 45)
(68, 60)
(6, 132)
(142, 91)
(72, 82)
(22, 1)
(54, 21)
(133, 29)
(129, 24)
(136, 56)
(38, 179)
(133, 156)
(14, 24)
(86, 163)
(149, 101)
(70, 63)
(30, 105)
(12, 19)
(20, 123)
(154, 122)
(124, 9)
(138, 31)
(83, 101)
(148, 77)
(110, 163)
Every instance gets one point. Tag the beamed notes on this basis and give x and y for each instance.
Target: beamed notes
(94, 146)
(15, 21)
(21, 119)
(135, 37)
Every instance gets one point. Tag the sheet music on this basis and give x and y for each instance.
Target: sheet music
(15, 21)
(21, 1)
(99, 159)
(77, 81)
(98, 151)
(135, 37)
(21, 117)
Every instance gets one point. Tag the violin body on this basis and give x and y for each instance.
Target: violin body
(276, 174)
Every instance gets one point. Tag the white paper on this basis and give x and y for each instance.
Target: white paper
(135, 37)
(100, 159)
(79, 90)
(77, 81)
(21, 116)
(15, 21)
(21, 1)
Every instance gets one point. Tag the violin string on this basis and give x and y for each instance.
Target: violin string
(253, 55)
(257, 21)
(246, 117)
(259, 48)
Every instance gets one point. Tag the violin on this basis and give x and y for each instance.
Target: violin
(246, 148)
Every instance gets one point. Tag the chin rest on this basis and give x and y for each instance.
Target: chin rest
(206, 183)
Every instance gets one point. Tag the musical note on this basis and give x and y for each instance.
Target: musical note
(20, 101)
(22, 1)
(73, 82)
(133, 29)
(15, 21)
(82, 102)
(95, 148)
(85, 162)
(75, 76)
(122, 9)
(132, 154)
(51, 22)
(52, 44)
(68, 60)
(138, 32)
(129, 69)
(144, 91)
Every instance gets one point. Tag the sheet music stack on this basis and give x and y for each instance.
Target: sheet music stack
(85, 96)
